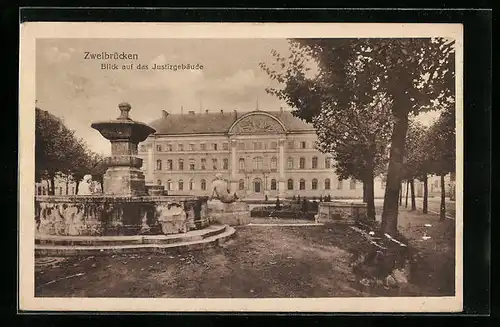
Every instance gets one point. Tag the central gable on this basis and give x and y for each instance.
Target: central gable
(257, 123)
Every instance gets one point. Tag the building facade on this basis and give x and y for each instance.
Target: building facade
(258, 153)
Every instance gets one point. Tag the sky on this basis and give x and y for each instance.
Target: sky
(78, 91)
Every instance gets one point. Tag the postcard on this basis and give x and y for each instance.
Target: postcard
(241, 167)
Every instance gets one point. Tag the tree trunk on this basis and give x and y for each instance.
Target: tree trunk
(406, 200)
(442, 211)
(412, 187)
(365, 196)
(370, 197)
(400, 195)
(398, 138)
(52, 186)
(426, 195)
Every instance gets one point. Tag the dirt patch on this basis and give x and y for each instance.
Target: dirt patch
(310, 261)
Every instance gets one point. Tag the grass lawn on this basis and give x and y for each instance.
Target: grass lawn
(261, 261)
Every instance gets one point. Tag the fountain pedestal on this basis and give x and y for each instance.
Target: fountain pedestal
(124, 176)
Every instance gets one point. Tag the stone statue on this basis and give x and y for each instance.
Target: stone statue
(220, 191)
(84, 187)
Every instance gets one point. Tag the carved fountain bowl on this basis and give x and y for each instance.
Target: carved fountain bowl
(105, 215)
(126, 130)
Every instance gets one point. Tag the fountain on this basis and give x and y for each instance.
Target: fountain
(127, 216)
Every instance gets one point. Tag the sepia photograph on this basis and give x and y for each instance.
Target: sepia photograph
(241, 167)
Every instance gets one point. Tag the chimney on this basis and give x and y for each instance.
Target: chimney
(222, 112)
(235, 114)
(206, 111)
(164, 113)
(191, 112)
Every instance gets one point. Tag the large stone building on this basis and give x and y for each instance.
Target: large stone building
(259, 153)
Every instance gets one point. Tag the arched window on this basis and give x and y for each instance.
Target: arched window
(302, 184)
(158, 164)
(302, 163)
(257, 163)
(273, 184)
(327, 184)
(225, 163)
(352, 185)
(314, 184)
(169, 185)
(241, 184)
(158, 182)
(170, 164)
(181, 164)
(314, 163)
(290, 184)
(274, 163)
(191, 164)
(340, 184)
(191, 185)
(203, 185)
(290, 163)
(214, 164)
(242, 163)
(203, 165)
(181, 185)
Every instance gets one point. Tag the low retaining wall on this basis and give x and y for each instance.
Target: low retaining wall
(342, 212)
(232, 214)
(95, 215)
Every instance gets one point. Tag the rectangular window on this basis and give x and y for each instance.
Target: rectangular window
(340, 184)
(290, 163)
(290, 144)
(158, 147)
(302, 163)
(327, 163)
(170, 164)
(225, 164)
(242, 164)
(180, 147)
(169, 147)
(214, 146)
(191, 164)
(203, 164)
(352, 185)
(202, 147)
(214, 164)
(181, 164)
(191, 147)
(302, 145)
(225, 146)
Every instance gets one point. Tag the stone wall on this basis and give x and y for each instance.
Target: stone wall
(341, 212)
(106, 215)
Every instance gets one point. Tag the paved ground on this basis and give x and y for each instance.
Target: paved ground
(262, 261)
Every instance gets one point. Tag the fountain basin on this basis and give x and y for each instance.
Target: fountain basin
(112, 215)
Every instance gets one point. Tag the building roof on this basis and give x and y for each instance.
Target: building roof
(220, 122)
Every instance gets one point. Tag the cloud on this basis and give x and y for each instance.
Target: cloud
(54, 55)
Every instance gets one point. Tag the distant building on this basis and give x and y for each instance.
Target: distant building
(62, 186)
(259, 153)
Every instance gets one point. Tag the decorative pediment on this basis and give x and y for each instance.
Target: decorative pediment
(257, 124)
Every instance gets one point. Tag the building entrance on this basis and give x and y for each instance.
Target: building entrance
(257, 185)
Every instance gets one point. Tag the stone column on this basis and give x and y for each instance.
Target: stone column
(281, 185)
(151, 167)
(234, 167)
